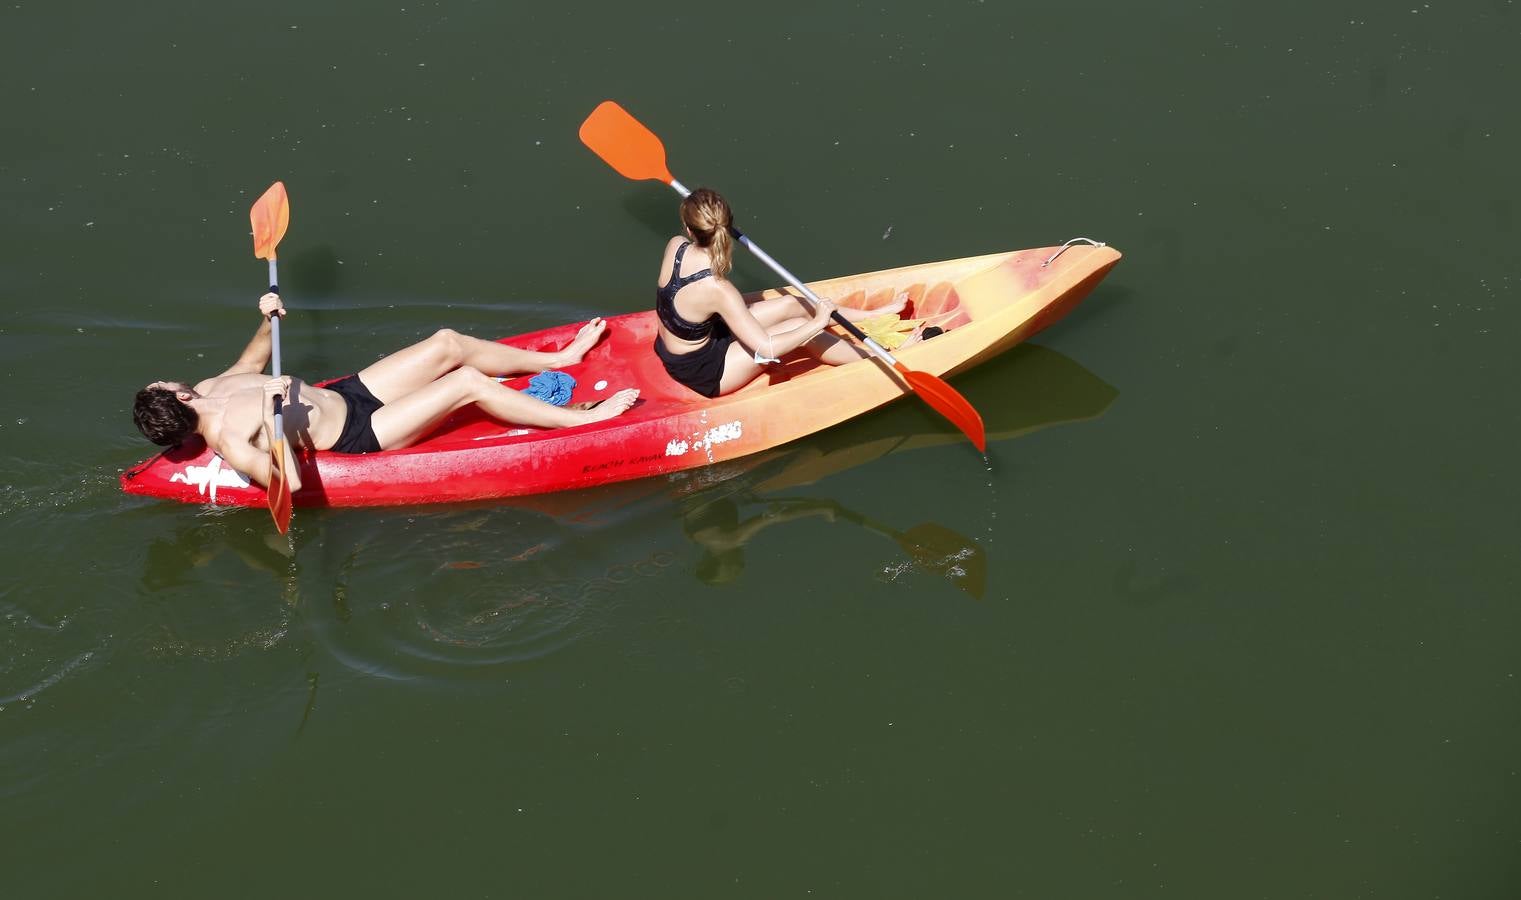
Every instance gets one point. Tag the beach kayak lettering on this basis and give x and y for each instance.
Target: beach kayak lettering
(211, 476)
(718, 434)
(619, 463)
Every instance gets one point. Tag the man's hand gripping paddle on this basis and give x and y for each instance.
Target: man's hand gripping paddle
(635, 152)
(270, 217)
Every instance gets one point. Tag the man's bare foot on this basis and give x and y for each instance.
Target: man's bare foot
(584, 340)
(616, 405)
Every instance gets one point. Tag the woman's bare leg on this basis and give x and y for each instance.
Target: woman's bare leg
(416, 366)
(834, 351)
(402, 422)
(740, 367)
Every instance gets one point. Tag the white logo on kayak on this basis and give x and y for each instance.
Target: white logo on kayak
(210, 477)
(707, 440)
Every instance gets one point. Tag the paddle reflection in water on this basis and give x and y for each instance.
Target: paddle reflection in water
(173, 561)
(194, 562)
(206, 561)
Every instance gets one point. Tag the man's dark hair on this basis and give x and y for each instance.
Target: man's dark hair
(162, 418)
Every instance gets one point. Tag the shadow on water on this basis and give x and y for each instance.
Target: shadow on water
(511, 584)
(654, 210)
(1107, 298)
(315, 269)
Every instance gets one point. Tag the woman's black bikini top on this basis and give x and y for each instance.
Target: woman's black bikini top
(665, 303)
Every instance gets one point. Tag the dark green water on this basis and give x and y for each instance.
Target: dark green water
(1246, 539)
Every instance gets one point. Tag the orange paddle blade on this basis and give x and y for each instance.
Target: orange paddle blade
(270, 217)
(279, 488)
(624, 143)
(948, 402)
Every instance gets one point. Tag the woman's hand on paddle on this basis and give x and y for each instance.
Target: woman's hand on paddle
(821, 314)
(271, 305)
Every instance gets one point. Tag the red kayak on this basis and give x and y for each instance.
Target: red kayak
(984, 304)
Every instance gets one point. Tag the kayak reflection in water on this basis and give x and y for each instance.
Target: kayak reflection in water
(712, 341)
(390, 404)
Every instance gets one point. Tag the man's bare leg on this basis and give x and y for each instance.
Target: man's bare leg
(402, 422)
(417, 366)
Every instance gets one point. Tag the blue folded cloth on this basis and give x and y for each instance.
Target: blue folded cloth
(551, 387)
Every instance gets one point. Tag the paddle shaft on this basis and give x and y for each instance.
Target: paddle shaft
(778, 268)
(274, 344)
(851, 515)
(901, 537)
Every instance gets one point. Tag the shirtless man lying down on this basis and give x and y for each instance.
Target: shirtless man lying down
(392, 403)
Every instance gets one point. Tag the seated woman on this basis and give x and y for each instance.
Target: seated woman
(709, 338)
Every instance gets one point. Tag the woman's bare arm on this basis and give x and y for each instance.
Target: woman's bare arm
(751, 333)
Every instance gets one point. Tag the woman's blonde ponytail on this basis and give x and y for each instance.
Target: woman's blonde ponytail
(721, 252)
(706, 214)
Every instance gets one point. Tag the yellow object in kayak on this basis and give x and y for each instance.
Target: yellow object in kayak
(890, 330)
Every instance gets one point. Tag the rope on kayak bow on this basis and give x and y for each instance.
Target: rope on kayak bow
(1063, 248)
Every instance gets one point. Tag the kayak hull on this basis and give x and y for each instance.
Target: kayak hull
(986, 304)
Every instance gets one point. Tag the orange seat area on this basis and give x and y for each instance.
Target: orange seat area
(937, 304)
(941, 306)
